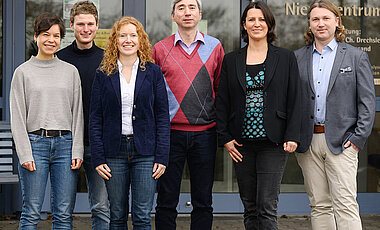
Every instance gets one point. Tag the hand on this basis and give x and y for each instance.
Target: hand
(104, 171)
(158, 170)
(290, 146)
(29, 165)
(76, 163)
(348, 143)
(234, 153)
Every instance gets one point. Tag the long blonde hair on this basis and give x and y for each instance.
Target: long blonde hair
(340, 32)
(111, 55)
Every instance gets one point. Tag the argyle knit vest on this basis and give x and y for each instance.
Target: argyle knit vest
(192, 81)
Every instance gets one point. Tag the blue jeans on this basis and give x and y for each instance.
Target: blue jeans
(199, 149)
(259, 178)
(97, 194)
(51, 155)
(130, 170)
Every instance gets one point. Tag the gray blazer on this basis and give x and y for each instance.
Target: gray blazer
(350, 102)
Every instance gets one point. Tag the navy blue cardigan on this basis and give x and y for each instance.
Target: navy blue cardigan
(151, 125)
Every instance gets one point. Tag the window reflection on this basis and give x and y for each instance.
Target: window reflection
(373, 170)
(33, 9)
(109, 12)
(220, 20)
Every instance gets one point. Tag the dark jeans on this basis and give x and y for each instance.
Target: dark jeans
(259, 177)
(130, 170)
(199, 149)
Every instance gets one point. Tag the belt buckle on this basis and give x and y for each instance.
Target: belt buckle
(46, 134)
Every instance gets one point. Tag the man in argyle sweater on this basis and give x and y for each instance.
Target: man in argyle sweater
(190, 62)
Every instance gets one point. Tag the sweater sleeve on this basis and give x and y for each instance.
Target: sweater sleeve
(17, 102)
(219, 60)
(77, 125)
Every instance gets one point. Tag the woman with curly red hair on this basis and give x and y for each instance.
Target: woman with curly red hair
(129, 123)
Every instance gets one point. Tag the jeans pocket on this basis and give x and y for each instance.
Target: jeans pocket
(67, 137)
(351, 153)
(33, 138)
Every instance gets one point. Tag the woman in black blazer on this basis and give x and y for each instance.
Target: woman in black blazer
(258, 114)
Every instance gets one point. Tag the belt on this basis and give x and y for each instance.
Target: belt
(128, 137)
(50, 133)
(319, 128)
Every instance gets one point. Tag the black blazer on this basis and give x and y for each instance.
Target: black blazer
(281, 96)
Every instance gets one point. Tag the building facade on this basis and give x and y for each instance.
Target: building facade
(220, 19)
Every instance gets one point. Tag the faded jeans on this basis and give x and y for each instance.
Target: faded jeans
(51, 155)
(97, 194)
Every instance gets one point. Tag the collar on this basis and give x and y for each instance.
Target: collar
(84, 51)
(198, 37)
(134, 67)
(44, 62)
(332, 45)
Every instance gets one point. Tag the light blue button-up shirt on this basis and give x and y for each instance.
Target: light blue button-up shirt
(322, 66)
(189, 49)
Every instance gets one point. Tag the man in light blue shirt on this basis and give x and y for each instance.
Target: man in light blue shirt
(337, 117)
(322, 66)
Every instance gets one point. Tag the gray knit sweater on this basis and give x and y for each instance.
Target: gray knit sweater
(45, 94)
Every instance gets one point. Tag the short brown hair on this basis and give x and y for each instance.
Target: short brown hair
(268, 16)
(83, 7)
(44, 21)
(340, 32)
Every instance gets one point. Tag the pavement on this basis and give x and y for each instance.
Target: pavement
(221, 221)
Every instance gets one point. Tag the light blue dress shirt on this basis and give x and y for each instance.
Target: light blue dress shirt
(189, 49)
(322, 66)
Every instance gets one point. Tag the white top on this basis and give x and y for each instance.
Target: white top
(127, 91)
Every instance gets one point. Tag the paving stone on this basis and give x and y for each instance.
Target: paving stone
(221, 222)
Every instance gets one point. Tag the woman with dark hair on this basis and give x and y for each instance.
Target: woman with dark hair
(129, 124)
(47, 127)
(258, 114)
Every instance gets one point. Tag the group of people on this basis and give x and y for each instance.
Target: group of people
(134, 114)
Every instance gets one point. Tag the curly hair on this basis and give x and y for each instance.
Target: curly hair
(340, 32)
(111, 54)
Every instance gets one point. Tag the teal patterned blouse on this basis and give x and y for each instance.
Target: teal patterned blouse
(253, 127)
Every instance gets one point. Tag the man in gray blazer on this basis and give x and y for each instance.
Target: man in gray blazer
(337, 116)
